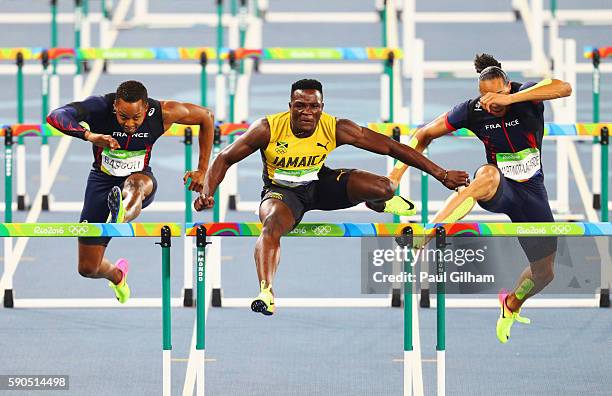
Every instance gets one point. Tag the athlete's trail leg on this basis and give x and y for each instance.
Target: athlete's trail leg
(93, 264)
(367, 187)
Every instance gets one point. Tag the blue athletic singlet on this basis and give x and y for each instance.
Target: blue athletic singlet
(513, 144)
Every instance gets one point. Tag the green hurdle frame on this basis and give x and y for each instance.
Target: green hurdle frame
(600, 202)
(202, 231)
(72, 230)
(406, 232)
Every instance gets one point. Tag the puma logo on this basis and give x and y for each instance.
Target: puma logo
(340, 174)
(320, 145)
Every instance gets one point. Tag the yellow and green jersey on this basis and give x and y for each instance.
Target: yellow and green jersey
(291, 161)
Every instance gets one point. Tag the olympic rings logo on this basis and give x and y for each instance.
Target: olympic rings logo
(321, 230)
(78, 230)
(561, 229)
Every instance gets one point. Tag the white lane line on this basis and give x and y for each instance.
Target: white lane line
(422, 360)
(185, 360)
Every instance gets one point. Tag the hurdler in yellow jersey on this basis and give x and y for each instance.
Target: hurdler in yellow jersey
(294, 146)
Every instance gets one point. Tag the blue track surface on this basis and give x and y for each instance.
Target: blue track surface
(298, 351)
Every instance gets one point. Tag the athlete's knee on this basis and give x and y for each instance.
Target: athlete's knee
(132, 185)
(487, 179)
(88, 268)
(384, 188)
(273, 227)
(488, 175)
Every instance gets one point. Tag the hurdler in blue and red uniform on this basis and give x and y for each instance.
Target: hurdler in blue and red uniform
(123, 127)
(508, 117)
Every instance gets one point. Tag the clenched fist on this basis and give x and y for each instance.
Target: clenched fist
(454, 179)
(203, 201)
(103, 141)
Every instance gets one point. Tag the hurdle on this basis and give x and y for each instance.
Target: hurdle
(390, 91)
(406, 231)
(49, 98)
(27, 131)
(600, 160)
(72, 230)
(571, 132)
(21, 54)
(578, 131)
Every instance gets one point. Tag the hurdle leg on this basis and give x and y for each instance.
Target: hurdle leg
(7, 278)
(595, 169)
(201, 308)
(187, 271)
(141, 9)
(424, 301)
(21, 175)
(408, 345)
(440, 314)
(215, 272)
(166, 312)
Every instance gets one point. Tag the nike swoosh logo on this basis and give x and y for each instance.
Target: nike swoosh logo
(408, 202)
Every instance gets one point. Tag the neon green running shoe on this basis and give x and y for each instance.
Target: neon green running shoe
(507, 318)
(264, 302)
(115, 205)
(400, 206)
(122, 290)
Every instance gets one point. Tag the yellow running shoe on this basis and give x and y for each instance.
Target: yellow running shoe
(115, 206)
(507, 318)
(122, 290)
(264, 302)
(400, 206)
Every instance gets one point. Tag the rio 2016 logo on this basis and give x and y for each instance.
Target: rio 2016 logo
(48, 230)
(298, 231)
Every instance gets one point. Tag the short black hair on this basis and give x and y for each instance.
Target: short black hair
(132, 91)
(307, 83)
(489, 68)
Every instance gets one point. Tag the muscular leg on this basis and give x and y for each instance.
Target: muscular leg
(540, 272)
(135, 189)
(277, 219)
(459, 204)
(93, 264)
(483, 188)
(367, 187)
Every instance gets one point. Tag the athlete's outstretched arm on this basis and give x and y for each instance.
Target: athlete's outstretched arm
(191, 114)
(544, 90)
(347, 132)
(420, 141)
(255, 138)
(66, 119)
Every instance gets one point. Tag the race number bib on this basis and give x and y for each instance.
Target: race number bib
(122, 162)
(295, 177)
(520, 166)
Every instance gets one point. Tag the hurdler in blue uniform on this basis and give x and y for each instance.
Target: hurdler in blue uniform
(508, 117)
(123, 127)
